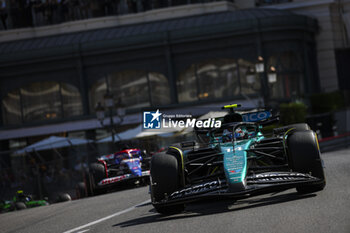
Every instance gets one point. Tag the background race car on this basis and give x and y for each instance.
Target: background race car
(237, 161)
(126, 166)
(21, 201)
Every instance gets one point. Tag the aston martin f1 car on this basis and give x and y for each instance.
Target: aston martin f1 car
(237, 161)
(129, 165)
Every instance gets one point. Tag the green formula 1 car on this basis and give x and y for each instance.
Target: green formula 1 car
(20, 202)
(237, 161)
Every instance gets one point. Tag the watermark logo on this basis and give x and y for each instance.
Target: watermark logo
(152, 120)
(158, 120)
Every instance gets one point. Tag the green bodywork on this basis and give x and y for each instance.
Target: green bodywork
(35, 203)
(6, 206)
(235, 157)
(235, 161)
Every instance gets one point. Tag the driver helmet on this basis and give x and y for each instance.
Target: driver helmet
(20, 193)
(239, 133)
(21, 196)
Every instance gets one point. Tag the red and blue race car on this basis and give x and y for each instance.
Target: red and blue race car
(126, 166)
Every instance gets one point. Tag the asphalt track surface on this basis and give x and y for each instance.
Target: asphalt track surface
(131, 211)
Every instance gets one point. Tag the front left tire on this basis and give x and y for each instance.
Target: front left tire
(97, 173)
(165, 180)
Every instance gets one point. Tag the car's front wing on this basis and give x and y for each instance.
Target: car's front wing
(255, 185)
(118, 179)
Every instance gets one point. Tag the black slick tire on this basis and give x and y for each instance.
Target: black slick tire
(304, 157)
(81, 190)
(97, 173)
(63, 197)
(20, 206)
(165, 180)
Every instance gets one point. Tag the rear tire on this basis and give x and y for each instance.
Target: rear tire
(164, 181)
(304, 157)
(20, 206)
(97, 173)
(81, 190)
(63, 197)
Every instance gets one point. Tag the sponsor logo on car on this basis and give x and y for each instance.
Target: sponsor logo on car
(256, 116)
(202, 188)
(114, 179)
(278, 177)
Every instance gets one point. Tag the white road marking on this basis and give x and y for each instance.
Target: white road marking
(83, 231)
(107, 217)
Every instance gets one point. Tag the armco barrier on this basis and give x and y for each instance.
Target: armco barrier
(335, 142)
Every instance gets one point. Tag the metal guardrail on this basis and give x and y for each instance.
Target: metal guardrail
(333, 129)
(335, 143)
(330, 124)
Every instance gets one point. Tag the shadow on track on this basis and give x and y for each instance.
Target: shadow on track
(209, 208)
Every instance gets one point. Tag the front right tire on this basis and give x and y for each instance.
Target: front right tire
(304, 157)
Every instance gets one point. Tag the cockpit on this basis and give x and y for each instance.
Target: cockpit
(234, 131)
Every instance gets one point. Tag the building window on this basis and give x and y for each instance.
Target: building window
(219, 79)
(41, 101)
(11, 108)
(71, 100)
(97, 91)
(289, 67)
(133, 89)
(270, 2)
(159, 89)
(248, 86)
(287, 86)
(187, 85)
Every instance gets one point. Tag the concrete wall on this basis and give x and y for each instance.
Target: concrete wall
(114, 21)
(325, 46)
(333, 17)
(245, 3)
(346, 21)
(331, 34)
